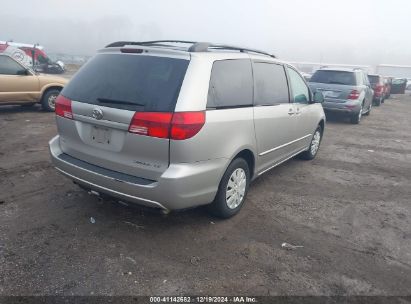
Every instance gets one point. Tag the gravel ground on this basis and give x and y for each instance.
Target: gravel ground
(349, 208)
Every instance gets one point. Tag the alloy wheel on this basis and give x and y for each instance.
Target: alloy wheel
(315, 143)
(52, 101)
(235, 189)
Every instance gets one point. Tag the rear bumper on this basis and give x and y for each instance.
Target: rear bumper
(180, 186)
(342, 106)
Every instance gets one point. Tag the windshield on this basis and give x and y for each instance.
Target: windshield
(334, 77)
(374, 78)
(42, 59)
(132, 82)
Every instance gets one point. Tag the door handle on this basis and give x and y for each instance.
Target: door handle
(298, 111)
(291, 112)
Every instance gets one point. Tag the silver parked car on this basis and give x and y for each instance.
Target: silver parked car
(174, 125)
(346, 91)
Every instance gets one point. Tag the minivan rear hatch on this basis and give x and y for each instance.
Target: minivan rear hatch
(105, 95)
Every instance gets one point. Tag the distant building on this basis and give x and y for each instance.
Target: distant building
(398, 71)
(311, 67)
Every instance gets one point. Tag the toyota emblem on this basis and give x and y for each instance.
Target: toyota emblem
(97, 113)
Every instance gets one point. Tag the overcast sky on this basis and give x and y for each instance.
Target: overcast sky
(330, 31)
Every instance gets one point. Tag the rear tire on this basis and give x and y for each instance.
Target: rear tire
(377, 102)
(232, 190)
(48, 100)
(314, 145)
(356, 118)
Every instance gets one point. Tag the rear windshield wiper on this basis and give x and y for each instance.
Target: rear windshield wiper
(116, 101)
(336, 82)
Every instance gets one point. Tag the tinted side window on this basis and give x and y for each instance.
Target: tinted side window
(270, 84)
(300, 91)
(231, 84)
(8, 66)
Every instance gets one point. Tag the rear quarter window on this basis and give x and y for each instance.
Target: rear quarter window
(231, 84)
(131, 82)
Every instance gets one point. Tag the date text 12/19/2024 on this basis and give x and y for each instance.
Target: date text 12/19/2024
(203, 299)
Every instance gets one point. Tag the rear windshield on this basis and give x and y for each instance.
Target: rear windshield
(131, 82)
(334, 77)
(374, 79)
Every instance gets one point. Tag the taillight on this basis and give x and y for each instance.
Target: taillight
(178, 126)
(63, 107)
(379, 88)
(186, 124)
(354, 94)
(131, 51)
(155, 124)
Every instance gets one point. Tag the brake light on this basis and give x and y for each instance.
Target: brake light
(63, 107)
(379, 88)
(178, 126)
(154, 124)
(131, 51)
(354, 94)
(186, 124)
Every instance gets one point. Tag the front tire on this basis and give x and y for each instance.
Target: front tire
(48, 102)
(314, 145)
(232, 190)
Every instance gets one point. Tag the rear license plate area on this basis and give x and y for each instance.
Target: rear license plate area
(330, 94)
(100, 135)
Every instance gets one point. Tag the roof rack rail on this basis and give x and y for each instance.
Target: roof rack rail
(153, 42)
(195, 46)
(205, 46)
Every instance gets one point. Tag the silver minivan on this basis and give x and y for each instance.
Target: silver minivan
(174, 125)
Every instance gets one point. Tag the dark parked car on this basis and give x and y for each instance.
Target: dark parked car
(398, 86)
(408, 88)
(377, 84)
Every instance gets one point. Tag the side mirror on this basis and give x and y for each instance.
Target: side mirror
(318, 97)
(23, 72)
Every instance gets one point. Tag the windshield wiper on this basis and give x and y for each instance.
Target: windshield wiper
(336, 82)
(116, 101)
